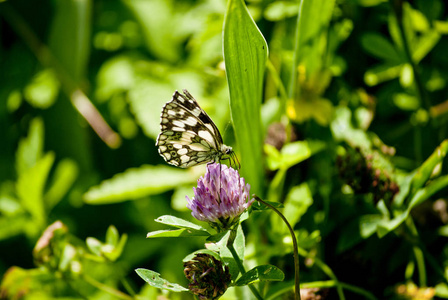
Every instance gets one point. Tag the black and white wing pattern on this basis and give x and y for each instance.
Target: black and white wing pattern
(188, 136)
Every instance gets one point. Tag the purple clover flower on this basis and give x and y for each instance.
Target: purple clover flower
(221, 197)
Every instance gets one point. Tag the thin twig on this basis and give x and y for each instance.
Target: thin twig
(70, 87)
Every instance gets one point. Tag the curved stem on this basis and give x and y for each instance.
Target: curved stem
(294, 243)
(239, 263)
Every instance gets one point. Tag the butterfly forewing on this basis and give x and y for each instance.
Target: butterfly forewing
(188, 136)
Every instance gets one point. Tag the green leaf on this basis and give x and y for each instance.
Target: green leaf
(178, 222)
(113, 252)
(13, 226)
(312, 26)
(161, 41)
(71, 19)
(30, 188)
(378, 46)
(185, 232)
(245, 55)
(343, 129)
(30, 149)
(425, 44)
(264, 272)
(138, 182)
(292, 153)
(382, 73)
(297, 202)
(280, 10)
(154, 279)
(426, 169)
(43, 89)
(112, 235)
(94, 245)
(385, 226)
(429, 190)
(63, 178)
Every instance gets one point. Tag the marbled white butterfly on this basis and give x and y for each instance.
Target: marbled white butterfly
(188, 136)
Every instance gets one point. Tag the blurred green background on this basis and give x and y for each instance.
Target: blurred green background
(357, 89)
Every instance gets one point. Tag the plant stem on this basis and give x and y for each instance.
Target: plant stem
(278, 81)
(294, 243)
(239, 263)
(397, 7)
(106, 288)
(69, 85)
(326, 269)
(418, 253)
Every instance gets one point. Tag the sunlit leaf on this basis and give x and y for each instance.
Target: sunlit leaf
(245, 54)
(184, 232)
(43, 89)
(426, 169)
(297, 202)
(112, 235)
(136, 183)
(154, 279)
(30, 187)
(292, 153)
(178, 222)
(264, 272)
(30, 149)
(280, 10)
(63, 178)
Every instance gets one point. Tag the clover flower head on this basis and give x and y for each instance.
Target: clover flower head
(208, 277)
(221, 196)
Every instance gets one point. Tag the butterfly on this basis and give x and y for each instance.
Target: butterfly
(188, 136)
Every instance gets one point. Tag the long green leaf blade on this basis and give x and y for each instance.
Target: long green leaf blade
(136, 183)
(245, 55)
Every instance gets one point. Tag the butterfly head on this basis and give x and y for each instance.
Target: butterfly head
(226, 149)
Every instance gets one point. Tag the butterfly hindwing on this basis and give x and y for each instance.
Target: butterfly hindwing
(188, 136)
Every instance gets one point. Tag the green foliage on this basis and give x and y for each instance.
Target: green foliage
(266, 272)
(245, 54)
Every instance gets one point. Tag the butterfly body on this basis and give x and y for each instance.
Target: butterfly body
(188, 136)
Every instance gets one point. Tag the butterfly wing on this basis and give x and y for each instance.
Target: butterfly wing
(188, 136)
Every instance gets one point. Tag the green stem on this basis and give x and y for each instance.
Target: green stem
(397, 7)
(294, 243)
(326, 269)
(127, 286)
(239, 263)
(418, 253)
(277, 80)
(106, 288)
